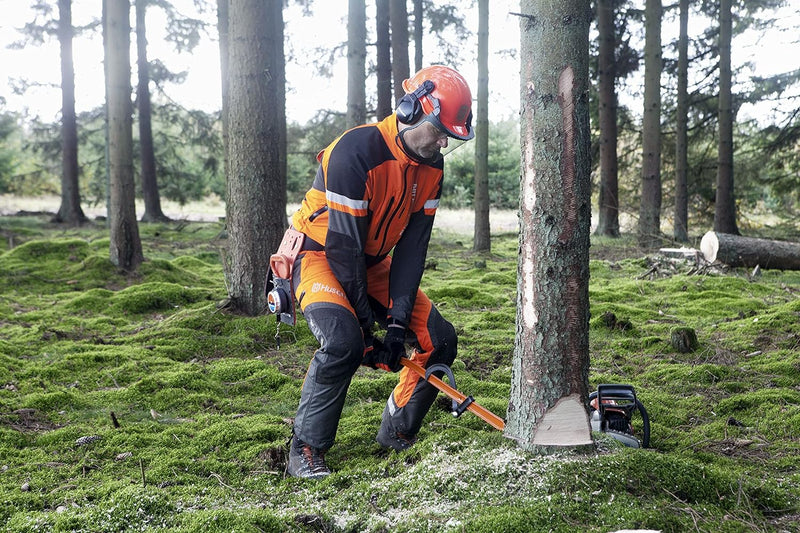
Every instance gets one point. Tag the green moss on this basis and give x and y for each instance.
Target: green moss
(203, 400)
(156, 296)
(463, 296)
(224, 521)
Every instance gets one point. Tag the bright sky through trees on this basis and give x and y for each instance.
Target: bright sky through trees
(772, 52)
(306, 91)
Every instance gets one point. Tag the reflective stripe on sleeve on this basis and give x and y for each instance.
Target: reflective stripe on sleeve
(343, 203)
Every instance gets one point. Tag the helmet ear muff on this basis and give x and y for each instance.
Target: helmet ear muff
(409, 108)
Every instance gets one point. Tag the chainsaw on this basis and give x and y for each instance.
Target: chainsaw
(611, 411)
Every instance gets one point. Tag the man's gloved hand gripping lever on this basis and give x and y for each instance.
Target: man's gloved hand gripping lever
(386, 355)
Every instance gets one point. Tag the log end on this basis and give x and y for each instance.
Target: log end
(709, 246)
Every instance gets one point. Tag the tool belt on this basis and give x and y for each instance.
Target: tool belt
(280, 300)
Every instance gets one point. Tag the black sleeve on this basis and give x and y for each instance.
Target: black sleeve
(348, 220)
(408, 263)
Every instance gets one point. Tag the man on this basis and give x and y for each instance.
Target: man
(376, 191)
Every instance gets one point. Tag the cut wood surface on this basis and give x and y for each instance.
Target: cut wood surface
(566, 424)
(738, 251)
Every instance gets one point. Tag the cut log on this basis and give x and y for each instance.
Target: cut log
(737, 251)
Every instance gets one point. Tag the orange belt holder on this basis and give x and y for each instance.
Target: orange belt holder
(280, 300)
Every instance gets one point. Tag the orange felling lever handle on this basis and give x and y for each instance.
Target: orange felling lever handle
(486, 415)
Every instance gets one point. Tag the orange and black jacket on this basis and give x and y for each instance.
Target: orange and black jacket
(368, 197)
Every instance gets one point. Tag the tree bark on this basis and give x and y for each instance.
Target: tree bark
(222, 31)
(738, 251)
(256, 196)
(398, 18)
(725, 208)
(418, 29)
(649, 229)
(356, 59)
(125, 246)
(608, 194)
(550, 368)
(70, 210)
(147, 156)
(383, 69)
(482, 241)
(680, 230)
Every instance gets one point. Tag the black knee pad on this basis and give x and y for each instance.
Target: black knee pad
(445, 340)
(341, 342)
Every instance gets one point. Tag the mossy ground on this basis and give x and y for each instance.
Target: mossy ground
(132, 403)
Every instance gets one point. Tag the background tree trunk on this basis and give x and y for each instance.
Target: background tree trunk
(681, 224)
(256, 199)
(126, 247)
(482, 241)
(608, 195)
(222, 31)
(649, 230)
(356, 59)
(398, 17)
(383, 69)
(70, 210)
(725, 209)
(147, 156)
(550, 367)
(418, 30)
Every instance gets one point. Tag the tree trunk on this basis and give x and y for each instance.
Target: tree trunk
(681, 224)
(725, 209)
(608, 194)
(550, 368)
(383, 69)
(418, 28)
(256, 199)
(70, 210)
(737, 251)
(125, 247)
(482, 234)
(222, 31)
(649, 231)
(356, 59)
(398, 17)
(147, 156)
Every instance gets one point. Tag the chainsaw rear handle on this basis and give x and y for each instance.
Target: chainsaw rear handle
(608, 394)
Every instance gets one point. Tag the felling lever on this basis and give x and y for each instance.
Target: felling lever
(461, 402)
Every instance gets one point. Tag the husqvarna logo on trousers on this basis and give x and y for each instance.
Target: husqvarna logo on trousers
(321, 287)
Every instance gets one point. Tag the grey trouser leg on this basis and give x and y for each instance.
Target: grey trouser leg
(329, 374)
(408, 418)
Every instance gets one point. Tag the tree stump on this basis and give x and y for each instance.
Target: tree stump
(738, 251)
(684, 340)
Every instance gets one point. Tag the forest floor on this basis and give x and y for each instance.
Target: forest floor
(212, 209)
(132, 402)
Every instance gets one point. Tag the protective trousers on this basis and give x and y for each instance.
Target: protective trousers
(333, 322)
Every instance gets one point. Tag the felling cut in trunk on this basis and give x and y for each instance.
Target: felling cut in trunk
(737, 251)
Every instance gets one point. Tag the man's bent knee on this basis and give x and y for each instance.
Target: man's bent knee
(341, 342)
(445, 340)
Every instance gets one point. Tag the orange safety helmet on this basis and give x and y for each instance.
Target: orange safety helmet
(442, 94)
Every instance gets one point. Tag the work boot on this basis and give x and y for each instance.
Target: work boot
(306, 461)
(389, 437)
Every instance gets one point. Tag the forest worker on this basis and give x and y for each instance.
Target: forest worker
(376, 190)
